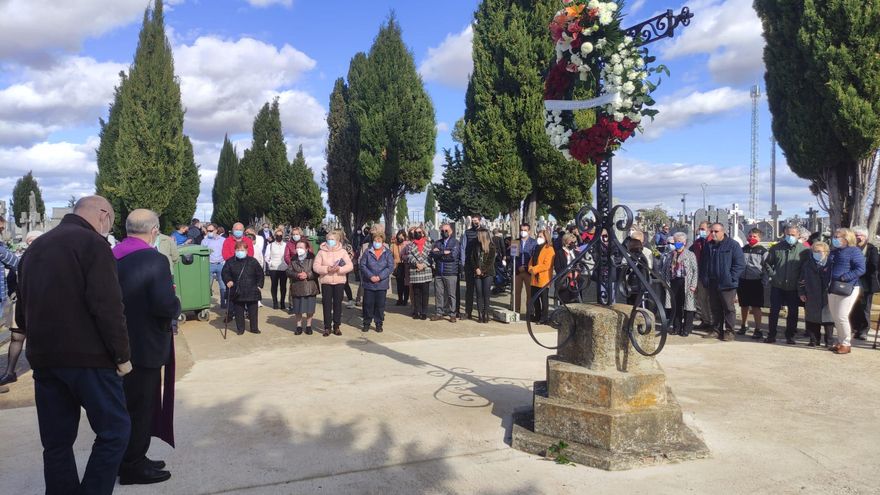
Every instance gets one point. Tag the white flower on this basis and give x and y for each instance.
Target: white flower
(605, 18)
(576, 59)
(586, 48)
(617, 70)
(628, 88)
(615, 59)
(636, 117)
(566, 154)
(618, 116)
(626, 103)
(632, 75)
(594, 4)
(627, 40)
(611, 6)
(627, 63)
(600, 44)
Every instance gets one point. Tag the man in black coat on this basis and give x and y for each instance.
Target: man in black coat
(70, 309)
(150, 304)
(860, 317)
(721, 265)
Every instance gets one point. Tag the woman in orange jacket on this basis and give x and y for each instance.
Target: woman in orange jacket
(541, 269)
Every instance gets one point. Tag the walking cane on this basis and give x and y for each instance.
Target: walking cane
(228, 305)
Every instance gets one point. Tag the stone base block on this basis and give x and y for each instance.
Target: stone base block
(688, 447)
(503, 315)
(611, 389)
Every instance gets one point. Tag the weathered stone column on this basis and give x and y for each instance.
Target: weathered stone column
(609, 403)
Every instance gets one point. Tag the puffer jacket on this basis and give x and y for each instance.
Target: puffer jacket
(381, 266)
(784, 264)
(328, 257)
(847, 264)
(248, 277)
(721, 264)
(756, 259)
(307, 287)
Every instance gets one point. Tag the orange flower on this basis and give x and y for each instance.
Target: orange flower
(574, 11)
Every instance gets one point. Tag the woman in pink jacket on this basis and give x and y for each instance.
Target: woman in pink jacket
(332, 264)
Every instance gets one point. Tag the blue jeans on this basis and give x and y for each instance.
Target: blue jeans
(59, 394)
(790, 299)
(374, 307)
(215, 270)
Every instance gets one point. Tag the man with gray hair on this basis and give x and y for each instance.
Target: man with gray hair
(70, 309)
(721, 266)
(860, 317)
(445, 254)
(150, 306)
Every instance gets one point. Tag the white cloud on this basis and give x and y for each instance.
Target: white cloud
(269, 3)
(32, 30)
(636, 6)
(62, 169)
(76, 91)
(679, 110)
(451, 62)
(730, 32)
(224, 97)
(442, 127)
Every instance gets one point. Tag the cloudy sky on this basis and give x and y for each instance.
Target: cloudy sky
(60, 62)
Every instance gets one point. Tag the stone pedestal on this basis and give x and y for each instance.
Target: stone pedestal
(609, 403)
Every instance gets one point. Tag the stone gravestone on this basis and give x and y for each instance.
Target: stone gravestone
(609, 403)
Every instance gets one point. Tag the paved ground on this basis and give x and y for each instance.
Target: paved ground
(425, 406)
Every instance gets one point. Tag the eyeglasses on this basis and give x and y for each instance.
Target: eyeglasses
(211, 230)
(716, 231)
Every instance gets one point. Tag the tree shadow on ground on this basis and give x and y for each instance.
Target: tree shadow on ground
(231, 447)
(463, 387)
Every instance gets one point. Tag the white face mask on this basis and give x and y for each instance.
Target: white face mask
(523, 234)
(541, 241)
(300, 252)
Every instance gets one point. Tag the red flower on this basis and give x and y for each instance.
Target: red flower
(596, 143)
(558, 81)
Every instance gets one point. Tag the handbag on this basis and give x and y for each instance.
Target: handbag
(839, 288)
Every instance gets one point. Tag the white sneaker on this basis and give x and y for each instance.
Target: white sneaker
(349, 304)
(260, 304)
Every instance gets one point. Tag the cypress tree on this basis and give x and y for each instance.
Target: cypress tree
(21, 197)
(107, 176)
(182, 207)
(823, 89)
(402, 216)
(459, 194)
(430, 206)
(396, 121)
(262, 165)
(300, 204)
(224, 194)
(150, 151)
(503, 134)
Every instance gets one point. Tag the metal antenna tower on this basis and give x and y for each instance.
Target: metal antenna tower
(753, 176)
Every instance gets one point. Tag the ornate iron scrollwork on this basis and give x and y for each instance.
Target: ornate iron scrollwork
(659, 27)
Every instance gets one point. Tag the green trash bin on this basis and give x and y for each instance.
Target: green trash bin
(192, 279)
(316, 243)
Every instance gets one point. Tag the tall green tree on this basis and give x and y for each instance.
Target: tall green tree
(21, 195)
(107, 177)
(402, 216)
(395, 117)
(503, 136)
(349, 198)
(300, 200)
(182, 207)
(430, 206)
(262, 165)
(823, 88)
(226, 188)
(460, 195)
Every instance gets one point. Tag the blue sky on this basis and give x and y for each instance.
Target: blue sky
(60, 61)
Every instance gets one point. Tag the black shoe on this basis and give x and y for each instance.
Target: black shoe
(255, 331)
(704, 326)
(758, 335)
(283, 306)
(8, 378)
(684, 333)
(770, 340)
(155, 464)
(790, 340)
(365, 328)
(423, 317)
(144, 476)
(742, 330)
(727, 336)
(326, 332)
(415, 316)
(812, 343)
(298, 331)
(861, 335)
(308, 330)
(274, 305)
(378, 328)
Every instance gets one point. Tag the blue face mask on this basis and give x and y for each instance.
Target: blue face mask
(331, 243)
(818, 256)
(791, 239)
(679, 245)
(296, 237)
(377, 245)
(703, 234)
(835, 242)
(241, 254)
(238, 233)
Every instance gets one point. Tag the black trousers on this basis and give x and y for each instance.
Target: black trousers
(469, 286)
(347, 289)
(331, 302)
(814, 329)
(682, 320)
(252, 309)
(402, 289)
(420, 297)
(279, 280)
(140, 398)
(541, 309)
(59, 394)
(790, 298)
(723, 308)
(374, 306)
(860, 316)
(484, 290)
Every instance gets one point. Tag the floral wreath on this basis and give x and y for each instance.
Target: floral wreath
(591, 49)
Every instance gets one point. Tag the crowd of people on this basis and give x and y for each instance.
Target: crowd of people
(118, 305)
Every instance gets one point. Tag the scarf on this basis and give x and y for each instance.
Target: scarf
(420, 243)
